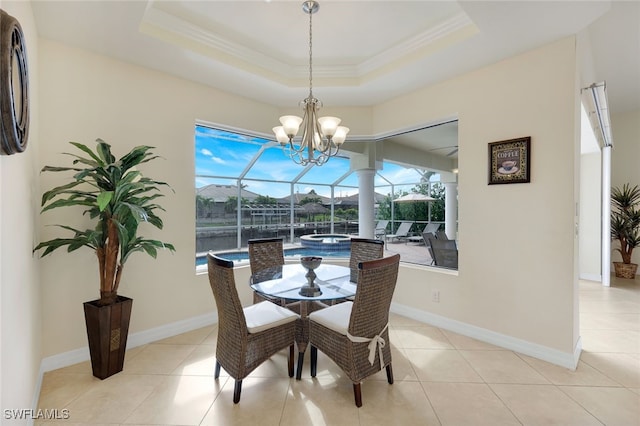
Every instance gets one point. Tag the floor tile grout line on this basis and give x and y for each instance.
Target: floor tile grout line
(560, 388)
(433, 408)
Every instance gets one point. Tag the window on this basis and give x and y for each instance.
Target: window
(246, 187)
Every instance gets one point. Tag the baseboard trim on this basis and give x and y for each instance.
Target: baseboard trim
(140, 338)
(567, 360)
(591, 277)
(554, 356)
(75, 356)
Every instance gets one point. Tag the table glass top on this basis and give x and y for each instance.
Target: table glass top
(285, 282)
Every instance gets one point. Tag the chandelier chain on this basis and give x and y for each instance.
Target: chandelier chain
(310, 54)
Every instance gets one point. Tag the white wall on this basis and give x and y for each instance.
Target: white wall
(625, 158)
(590, 216)
(516, 273)
(87, 96)
(91, 96)
(20, 309)
(517, 242)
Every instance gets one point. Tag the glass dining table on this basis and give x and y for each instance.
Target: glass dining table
(286, 282)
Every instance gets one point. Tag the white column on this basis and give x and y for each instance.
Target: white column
(366, 203)
(451, 209)
(606, 216)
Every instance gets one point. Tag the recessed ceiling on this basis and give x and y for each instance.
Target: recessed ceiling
(364, 53)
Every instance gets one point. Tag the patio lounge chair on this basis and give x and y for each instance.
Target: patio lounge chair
(441, 235)
(401, 232)
(381, 229)
(430, 228)
(443, 252)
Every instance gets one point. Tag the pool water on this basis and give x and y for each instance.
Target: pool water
(326, 242)
(239, 256)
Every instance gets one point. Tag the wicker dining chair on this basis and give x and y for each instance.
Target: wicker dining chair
(355, 335)
(265, 253)
(246, 337)
(362, 250)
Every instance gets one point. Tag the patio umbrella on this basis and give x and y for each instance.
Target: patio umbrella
(413, 197)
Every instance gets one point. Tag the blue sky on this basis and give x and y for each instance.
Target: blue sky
(221, 153)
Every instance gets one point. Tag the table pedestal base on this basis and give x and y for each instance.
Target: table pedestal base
(310, 291)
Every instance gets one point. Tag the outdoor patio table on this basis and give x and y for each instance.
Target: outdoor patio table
(284, 282)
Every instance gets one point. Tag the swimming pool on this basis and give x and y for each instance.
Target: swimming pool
(243, 256)
(326, 242)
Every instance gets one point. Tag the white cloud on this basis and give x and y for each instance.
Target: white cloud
(206, 152)
(218, 160)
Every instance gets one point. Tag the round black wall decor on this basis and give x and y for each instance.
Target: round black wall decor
(14, 86)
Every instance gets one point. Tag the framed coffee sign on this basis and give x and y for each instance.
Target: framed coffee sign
(510, 161)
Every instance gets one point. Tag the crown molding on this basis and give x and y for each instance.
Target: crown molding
(173, 29)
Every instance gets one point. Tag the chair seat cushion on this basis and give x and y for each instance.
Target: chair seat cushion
(335, 317)
(265, 315)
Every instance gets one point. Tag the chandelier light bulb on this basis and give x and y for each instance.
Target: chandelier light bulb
(290, 124)
(328, 125)
(281, 136)
(340, 135)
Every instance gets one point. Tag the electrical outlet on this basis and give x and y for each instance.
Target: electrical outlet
(435, 296)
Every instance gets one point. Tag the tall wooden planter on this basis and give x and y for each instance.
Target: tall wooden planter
(107, 331)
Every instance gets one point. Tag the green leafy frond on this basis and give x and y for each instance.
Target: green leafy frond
(58, 190)
(60, 169)
(103, 199)
(82, 160)
(115, 193)
(87, 150)
(104, 152)
(66, 203)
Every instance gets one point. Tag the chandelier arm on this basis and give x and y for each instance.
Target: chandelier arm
(323, 143)
(293, 155)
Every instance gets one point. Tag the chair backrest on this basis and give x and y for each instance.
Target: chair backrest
(265, 253)
(403, 229)
(376, 284)
(431, 227)
(441, 235)
(362, 250)
(445, 252)
(427, 244)
(231, 321)
(382, 225)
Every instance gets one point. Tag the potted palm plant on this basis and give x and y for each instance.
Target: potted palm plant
(118, 199)
(625, 227)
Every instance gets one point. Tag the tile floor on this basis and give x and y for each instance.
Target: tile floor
(441, 378)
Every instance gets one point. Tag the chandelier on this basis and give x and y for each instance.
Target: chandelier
(321, 137)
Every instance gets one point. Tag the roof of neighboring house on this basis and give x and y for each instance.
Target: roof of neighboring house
(297, 197)
(221, 193)
(352, 200)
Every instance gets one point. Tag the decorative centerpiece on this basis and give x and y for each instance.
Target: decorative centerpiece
(311, 289)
